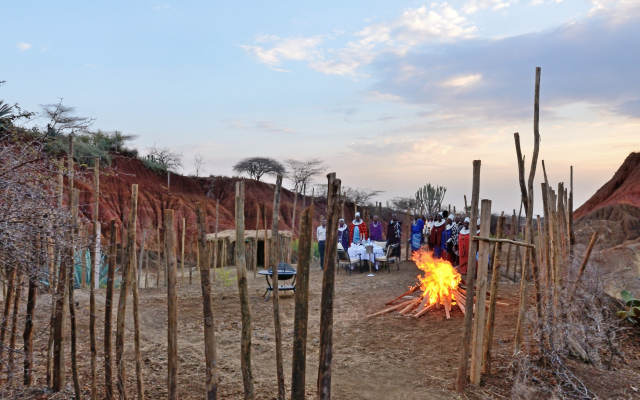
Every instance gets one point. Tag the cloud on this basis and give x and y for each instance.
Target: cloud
(630, 108)
(592, 61)
(24, 46)
(348, 112)
(414, 27)
(91, 65)
(269, 127)
(473, 6)
(299, 48)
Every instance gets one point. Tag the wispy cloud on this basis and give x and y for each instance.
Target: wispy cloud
(414, 27)
(473, 6)
(24, 46)
(265, 126)
(91, 65)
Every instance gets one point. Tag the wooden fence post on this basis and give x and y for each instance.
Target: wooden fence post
(302, 306)
(135, 285)
(72, 307)
(159, 252)
(207, 309)
(27, 335)
(276, 296)
(243, 289)
(172, 307)
(463, 362)
(128, 267)
(108, 312)
(328, 287)
(184, 225)
(93, 281)
(491, 316)
(481, 294)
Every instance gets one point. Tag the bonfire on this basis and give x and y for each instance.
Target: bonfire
(440, 287)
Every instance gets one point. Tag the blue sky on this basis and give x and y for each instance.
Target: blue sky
(391, 94)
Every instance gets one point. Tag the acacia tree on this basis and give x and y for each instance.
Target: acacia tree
(400, 204)
(198, 163)
(169, 160)
(360, 196)
(257, 167)
(62, 119)
(430, 197)
(301, 172)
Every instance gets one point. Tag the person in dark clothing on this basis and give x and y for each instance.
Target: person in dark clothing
(321, 235)
(343, 234)
(394, 233)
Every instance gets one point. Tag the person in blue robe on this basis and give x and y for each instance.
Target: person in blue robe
(417, 225)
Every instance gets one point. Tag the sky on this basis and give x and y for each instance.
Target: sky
(391, 94)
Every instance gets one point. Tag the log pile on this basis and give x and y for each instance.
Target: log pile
(417, 306)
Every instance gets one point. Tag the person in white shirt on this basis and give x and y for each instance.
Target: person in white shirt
(321, 235)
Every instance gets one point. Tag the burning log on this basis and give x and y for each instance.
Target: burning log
(413, 289)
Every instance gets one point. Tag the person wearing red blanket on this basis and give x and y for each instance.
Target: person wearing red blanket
(463, 247)
(358, 230)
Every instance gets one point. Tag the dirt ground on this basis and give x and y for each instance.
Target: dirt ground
(382, 358)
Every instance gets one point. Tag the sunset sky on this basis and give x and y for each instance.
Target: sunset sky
(392, 94)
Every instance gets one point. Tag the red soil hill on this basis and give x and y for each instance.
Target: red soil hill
(184, 193)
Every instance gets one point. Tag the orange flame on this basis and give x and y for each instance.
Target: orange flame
(440, 278)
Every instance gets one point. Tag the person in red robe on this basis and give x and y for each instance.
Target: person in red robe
(463, 247)
(362, 234)
(435, 240)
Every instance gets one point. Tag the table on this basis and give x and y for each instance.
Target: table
(359, 251)
(285, 272)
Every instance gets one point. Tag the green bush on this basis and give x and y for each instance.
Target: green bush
(632, 313)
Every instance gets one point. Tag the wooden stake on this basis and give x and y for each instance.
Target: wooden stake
(14, 323)
(302, 306)
(207, 309)
(328, 287)
(184, 224)
(139, 274)
(128, 267)
(481, 294)
(243, 288)
(27, 336)
(255, 250)
(135, 284)
(146, 270)
(491, 315)
(172, 307)
(108, 315)
(275, 295)
(463, 362)
(83, 258)
(408, 247)
(159, 263)
(93, 278)
(72, 306)
(587, 255)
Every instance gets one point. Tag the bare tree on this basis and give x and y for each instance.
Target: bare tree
(402, 203)
(198, 163)
(301, 172)
(165, 157)
(256, 167)
(430, 197)
(62, 119)
(360, 196)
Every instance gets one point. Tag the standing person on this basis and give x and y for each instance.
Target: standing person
(321, 235)
(375, 229)
(394, 233)
(455, 230)
(416, 233)
(436, 236)
(463, 247)
(358, 231)
(427, 228)
(343, 234)
(445, 242)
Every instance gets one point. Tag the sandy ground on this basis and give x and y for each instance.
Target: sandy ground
(386, 357)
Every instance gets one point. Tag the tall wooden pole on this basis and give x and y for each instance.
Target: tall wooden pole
(463, 362)
(211, 369)
(328, 287)
(215, 243)
(159, 258)
(172, 307)
(184, 226)
(302, 306)
(128, 267)
(408, 224)
(481, 294)
(135, 285)
(108, 313)
(273, 261)
(491, 316)
(243, 289)
(267, 251)
(27, 335)
(94, 277)
(293, 214)
(72, 306)
(255, 249)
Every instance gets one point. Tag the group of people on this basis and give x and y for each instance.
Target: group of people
(443, 234)
(359, 232)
